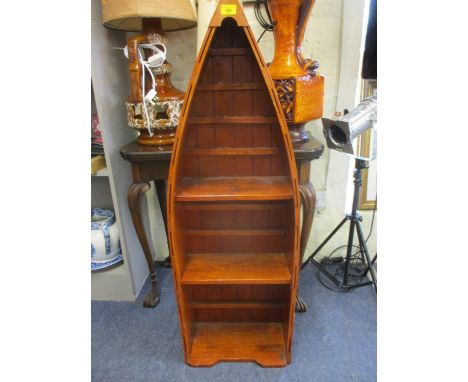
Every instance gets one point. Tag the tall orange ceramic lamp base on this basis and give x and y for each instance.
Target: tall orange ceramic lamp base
(299, 87)
(233, 207)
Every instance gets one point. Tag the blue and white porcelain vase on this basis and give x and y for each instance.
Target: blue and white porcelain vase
(105, 244)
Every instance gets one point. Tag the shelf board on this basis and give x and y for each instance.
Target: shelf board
(234, 188)
(238, 268)
(253, 151)
(260, 342)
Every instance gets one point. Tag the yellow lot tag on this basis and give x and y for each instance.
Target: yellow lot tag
(228, 9)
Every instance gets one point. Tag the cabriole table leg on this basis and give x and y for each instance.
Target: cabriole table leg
(161, 192)
(308, 202)
(134, 198)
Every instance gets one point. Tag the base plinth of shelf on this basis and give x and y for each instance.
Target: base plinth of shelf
(215, 342)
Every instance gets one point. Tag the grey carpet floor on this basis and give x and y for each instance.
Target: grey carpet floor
(334, 341)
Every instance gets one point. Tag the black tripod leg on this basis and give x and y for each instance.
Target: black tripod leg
(363, 246)
(322, 269)
(309, 259)
(372, 262)
(348, 253)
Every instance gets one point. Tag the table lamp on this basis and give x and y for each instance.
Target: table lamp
(155, 119)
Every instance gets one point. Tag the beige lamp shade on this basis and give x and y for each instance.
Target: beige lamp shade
(128, 14)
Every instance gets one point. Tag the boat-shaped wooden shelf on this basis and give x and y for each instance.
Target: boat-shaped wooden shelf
(233, 205)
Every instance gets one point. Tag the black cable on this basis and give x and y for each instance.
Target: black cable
(266, 23)
(359, 273)
(266, 30)
(356, 277)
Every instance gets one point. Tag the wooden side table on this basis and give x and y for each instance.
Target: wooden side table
(151, 163)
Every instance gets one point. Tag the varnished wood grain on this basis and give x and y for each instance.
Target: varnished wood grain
(232, 86)
(232, 149)
(229, 52)
(235, 232)
(233, 206)
(235, 151)
(133, 152)
(232, 120)
(134, 199)
(238, 268)
(262, 343)
(239, 293)
(236, 305)
(233, 188)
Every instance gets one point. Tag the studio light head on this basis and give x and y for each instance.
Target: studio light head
(342, 134)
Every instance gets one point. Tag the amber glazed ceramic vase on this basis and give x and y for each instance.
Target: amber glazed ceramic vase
(299, 87)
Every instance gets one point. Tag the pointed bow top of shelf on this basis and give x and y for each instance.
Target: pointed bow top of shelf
(228, 8)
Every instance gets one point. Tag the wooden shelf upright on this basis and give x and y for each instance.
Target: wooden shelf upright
(233, 211)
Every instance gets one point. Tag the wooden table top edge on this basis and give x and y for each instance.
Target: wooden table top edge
(134, 152)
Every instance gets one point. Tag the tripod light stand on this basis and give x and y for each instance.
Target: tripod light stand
(355, 224)
(341, 135)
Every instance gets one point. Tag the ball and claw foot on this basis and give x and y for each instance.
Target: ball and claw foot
(301, 306)
(151, 299)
